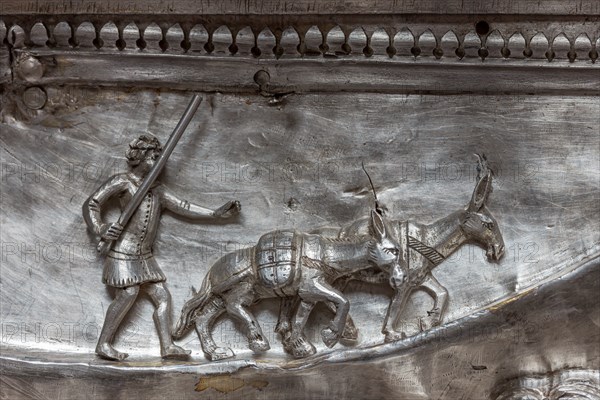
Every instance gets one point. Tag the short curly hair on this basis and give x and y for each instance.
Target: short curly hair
(139, 148)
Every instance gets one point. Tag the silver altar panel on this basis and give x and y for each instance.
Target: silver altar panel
(296, 97)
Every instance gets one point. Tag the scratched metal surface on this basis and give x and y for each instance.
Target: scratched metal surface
(297, 164)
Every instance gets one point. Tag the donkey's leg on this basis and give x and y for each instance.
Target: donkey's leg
(374, 276)
(286, 314)
(287, 307)
(237, 301)
(297, 344)
(204, 321)
(440, 301)
(317, 289)
(350, 333)
(397, 305)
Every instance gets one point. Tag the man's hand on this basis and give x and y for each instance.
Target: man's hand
(229, 209)
(112, 231)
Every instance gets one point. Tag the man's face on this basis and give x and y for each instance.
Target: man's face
(149, 160)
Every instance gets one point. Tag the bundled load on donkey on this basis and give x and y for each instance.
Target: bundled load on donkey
(238, 280)
(276, 260)
(311, 268)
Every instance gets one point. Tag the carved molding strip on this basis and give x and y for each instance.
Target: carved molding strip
(536, 40)
(305, 54)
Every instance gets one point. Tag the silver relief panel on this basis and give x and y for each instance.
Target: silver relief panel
(520, 324)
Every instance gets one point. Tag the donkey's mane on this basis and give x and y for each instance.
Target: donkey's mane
(347, 239)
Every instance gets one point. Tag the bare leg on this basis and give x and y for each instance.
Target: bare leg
(236, 302)
(440, 302)
(162, 318)
(114, 316)
(396, 307)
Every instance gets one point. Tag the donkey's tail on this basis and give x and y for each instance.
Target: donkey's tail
(199, 300)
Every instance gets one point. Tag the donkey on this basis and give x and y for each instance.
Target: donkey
(295, 265)
(423, 248)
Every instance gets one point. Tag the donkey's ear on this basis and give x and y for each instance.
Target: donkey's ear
(483, 187)
(377, 225)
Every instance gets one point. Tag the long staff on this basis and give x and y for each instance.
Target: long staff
(105, 245)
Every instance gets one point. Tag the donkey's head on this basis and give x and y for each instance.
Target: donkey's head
(478, 224)
(384, 249)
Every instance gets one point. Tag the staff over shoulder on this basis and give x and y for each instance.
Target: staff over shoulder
(130, 265)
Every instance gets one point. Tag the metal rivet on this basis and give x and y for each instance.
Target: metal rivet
(262, 78)
(35, 98)
(30, 68)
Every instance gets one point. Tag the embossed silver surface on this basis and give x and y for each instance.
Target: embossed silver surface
(288, 142)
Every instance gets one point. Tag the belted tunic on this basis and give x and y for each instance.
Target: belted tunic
(130, 260)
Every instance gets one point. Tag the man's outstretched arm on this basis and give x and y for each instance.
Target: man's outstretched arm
(194, 211)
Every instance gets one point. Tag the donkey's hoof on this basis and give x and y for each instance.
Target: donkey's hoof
(330, 338)
(394, 336)
(426, 323)
(220, 353)
(299, 348)
(259, 344)
(350, 334)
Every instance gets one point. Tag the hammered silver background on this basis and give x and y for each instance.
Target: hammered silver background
(294, 161)
(295, 165)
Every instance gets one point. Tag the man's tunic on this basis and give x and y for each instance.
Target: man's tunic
(130, 260)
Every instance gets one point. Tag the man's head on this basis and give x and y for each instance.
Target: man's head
(143, 152)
